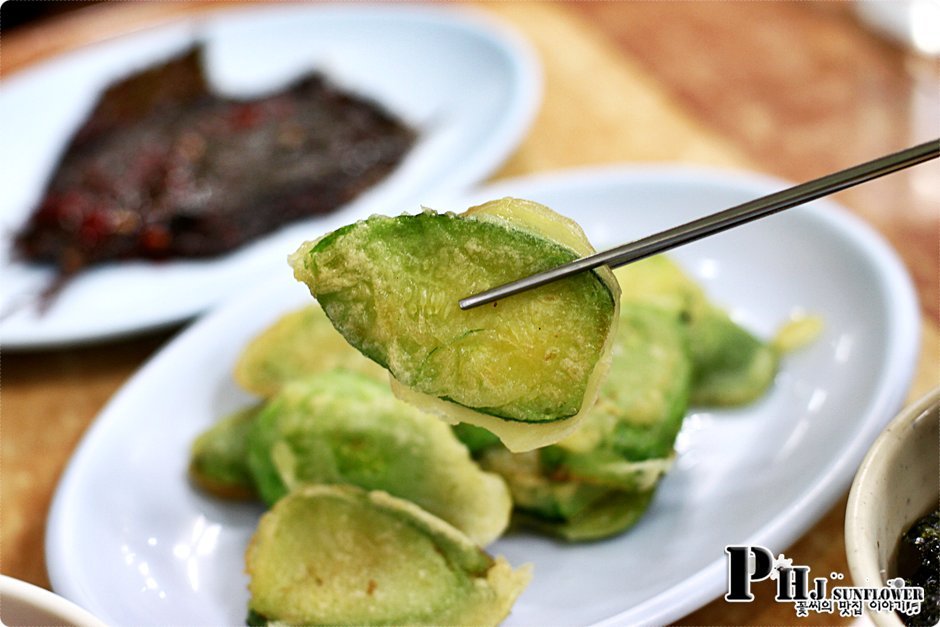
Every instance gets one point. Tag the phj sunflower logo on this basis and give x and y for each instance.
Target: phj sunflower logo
(748, 564)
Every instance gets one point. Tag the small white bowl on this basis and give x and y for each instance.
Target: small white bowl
(23, 603)
(897, 483)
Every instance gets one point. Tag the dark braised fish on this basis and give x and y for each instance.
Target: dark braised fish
(164, 168)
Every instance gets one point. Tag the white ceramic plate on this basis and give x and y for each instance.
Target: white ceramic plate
(467, 83)
(129, 538)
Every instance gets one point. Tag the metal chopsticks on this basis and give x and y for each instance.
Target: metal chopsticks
(717, 222)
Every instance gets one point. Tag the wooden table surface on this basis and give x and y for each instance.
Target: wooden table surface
(793, 89)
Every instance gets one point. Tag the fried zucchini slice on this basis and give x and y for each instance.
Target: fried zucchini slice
(661, 282)
(599, 480)
(338, 555)
(218, 462)
(526, 368)
(300, 343)
(341, 427)
(609, 514)
(731, 366)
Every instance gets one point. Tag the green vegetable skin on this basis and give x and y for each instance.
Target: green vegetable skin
(218, 461)
(338, 555)
(525, 368)
(344, 428)
(732, 367)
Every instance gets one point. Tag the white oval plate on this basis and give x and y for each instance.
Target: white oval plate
(470, 86)
(133, 542)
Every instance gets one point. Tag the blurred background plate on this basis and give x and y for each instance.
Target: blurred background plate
(129, 538)
(468, 84)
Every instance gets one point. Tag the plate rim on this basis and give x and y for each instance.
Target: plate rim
(705, 585)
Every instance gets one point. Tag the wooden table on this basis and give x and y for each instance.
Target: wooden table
(794, 89)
